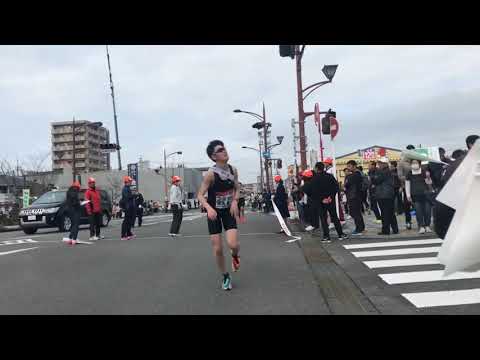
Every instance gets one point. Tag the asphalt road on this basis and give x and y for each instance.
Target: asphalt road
(155, 274)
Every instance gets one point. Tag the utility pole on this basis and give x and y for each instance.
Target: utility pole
(114, 110)
(165, 173)
(301, 113)
(262, 184)
(265, 130)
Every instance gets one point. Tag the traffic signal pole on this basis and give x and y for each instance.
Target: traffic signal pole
(301, 114)
(265, 129)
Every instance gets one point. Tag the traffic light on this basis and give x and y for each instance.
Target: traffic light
(109, 147)
(326, 125)
(326, 121)
(287, 51)
(279, 163)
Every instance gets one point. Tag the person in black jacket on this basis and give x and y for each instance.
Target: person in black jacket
(74, 210)
(323, 189)
(443, 214)
(372, 169)
(127, 203)
(384, 192)
(140, 203)
(396, 187)
(281, 199)
(353, 190)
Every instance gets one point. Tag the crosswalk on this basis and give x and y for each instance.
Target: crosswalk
(392, 262)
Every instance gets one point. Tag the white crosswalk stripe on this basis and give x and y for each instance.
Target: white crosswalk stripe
(384, 259)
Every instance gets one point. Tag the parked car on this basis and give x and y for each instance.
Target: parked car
(49, 211)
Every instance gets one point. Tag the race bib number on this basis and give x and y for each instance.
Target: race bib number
(223, 200)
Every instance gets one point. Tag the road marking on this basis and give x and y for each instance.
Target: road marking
(426, 276)
(17, 242)
(393, 243)
(444, 298)
(16, 251)
(424, 250)
(401, 262)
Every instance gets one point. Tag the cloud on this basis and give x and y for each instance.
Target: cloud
(181, 97)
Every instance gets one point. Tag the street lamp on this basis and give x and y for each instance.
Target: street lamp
(296, 51)
(165, 157)
(261, 125)
(329, 71)
(261, 167)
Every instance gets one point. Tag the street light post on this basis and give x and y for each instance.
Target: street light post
(265, 127)
(261, 165)
(329, 71)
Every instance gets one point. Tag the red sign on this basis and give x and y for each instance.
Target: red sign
(317, 114)
(333, 127)
(382, 152)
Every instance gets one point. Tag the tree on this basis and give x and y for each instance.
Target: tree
(114, 186)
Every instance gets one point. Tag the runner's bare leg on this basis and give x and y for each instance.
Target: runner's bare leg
(232, 241)
(218, 251)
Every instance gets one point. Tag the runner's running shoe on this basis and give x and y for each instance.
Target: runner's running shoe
(73, 242)
(66, 240)
(227, 282)
(235, 263)
(124, 238)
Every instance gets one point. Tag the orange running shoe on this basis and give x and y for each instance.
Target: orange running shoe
(235, 263)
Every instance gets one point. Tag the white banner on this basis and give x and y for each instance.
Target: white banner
(282, 223)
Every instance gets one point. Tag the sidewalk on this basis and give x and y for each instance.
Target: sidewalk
(338, 277)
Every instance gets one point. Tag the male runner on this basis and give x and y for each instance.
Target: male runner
(221, 182)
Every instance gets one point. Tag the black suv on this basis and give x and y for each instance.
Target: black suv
(49, 211)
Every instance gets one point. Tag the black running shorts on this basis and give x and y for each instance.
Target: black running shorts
(223, 217)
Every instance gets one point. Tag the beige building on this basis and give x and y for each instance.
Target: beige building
(88, 138)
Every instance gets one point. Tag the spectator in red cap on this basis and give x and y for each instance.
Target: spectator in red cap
(176, 199)
(281, 199)
(94, 209)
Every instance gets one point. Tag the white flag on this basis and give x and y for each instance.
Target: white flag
(461, 249)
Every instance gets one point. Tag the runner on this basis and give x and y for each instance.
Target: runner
(176, 197)
(221, 182)
(241, 205)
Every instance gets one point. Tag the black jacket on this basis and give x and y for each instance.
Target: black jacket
(322, 186)
(353, 185)
(383, 181)
(73, 201)
(281, 200)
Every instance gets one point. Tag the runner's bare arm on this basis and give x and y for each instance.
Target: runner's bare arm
(207, 181)
(236, 194)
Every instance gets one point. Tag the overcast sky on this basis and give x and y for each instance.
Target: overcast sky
(181, 97)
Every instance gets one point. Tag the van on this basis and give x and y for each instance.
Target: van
(49, 211)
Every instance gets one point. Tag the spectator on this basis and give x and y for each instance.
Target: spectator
(323, 189)
(396, 188)
(417, 192)
(281, 199)
(372, 170)
(353, 186)
(403, 169)
(442, 213)
(94, 209)
(383, 181)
